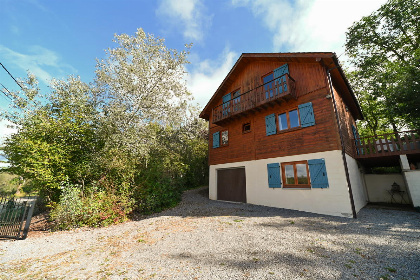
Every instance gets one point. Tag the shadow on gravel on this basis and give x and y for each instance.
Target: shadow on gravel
(395, 224)
(378, 242)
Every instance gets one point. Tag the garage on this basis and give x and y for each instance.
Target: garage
(231, 184)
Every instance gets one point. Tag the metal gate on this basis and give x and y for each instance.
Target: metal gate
(15, 216)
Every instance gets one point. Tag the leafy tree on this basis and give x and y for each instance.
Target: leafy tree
(131, 134)
(142, 83)
(55, 141)
(384, 49)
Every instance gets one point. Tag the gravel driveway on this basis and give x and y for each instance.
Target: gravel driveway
(203, 239)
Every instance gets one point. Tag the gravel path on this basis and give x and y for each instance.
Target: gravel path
(203, 239)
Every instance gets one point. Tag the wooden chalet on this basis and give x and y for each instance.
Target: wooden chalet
(283, 134)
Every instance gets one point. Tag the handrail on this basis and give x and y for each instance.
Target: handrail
(281, 87)
(395, 143)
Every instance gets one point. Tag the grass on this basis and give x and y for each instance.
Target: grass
(390, 269)
(8, 183)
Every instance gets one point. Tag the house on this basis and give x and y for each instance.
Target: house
(282, 133)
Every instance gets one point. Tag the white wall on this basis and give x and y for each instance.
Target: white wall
(331, 201)
(378, 185)
(357, 185)
(413, 181)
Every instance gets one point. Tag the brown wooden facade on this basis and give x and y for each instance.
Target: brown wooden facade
(308, 83)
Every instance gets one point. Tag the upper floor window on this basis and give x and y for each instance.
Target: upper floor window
(268, 84)
(303, 116)
(289, 120)
(225, 138)
(220, 138)
(274, 83)
(231, 102)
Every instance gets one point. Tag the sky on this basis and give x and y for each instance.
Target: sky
(58, 38)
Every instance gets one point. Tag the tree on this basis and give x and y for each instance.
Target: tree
(131, 134)
(384, 50)
(142, 83)
(56, 136)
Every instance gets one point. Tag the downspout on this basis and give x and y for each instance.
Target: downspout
(343, 150)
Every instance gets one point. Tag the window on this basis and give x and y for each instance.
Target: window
(246, 127)
(274, 83)
(225, 138)
(298, 174)
(295, 174)
(303, 116)
(236, 100)
(220, 139)
(268, 85)
(289, 120)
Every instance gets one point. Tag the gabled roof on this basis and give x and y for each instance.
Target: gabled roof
(328, 59)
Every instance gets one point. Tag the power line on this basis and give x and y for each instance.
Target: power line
(11, 75)
(7, 95)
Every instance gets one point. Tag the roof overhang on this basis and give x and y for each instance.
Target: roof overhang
(328, 59)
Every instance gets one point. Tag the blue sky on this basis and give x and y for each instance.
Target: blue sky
(57, 38)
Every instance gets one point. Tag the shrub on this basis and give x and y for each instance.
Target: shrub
(93, 208)
(67, 213)
(156, 196)
(103, 208)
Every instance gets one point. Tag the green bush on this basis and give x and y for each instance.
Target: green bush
(67, 213)
(93, 208)
(156, 196)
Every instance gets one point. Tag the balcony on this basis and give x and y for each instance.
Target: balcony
(387, 146)
(257, 99)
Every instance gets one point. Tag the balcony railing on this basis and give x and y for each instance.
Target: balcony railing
(276, 90)
(397, 143)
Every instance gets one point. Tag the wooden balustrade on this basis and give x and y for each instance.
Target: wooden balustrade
(276, 90)
(397, 143)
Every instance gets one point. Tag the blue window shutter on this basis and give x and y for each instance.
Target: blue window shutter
(279, 76)
(318, 173)
(226, 98)
(273, 171)
(281, 71)
(306, 113)
(216, 140)
(270, 124)
(226, 104)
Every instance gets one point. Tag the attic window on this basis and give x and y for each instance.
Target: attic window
(246, 128)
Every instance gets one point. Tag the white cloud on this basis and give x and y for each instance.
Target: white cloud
(40, 61)
(6, 129)
(186, 14)
(309, 26)
(204, 79)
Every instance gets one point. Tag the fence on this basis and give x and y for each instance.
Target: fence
(15, 216)
(396, 143)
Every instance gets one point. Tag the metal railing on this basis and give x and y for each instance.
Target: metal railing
(397, 143)
(278, 88)
(15, 216)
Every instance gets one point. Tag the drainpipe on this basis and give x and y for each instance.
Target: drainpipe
(343, 151)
